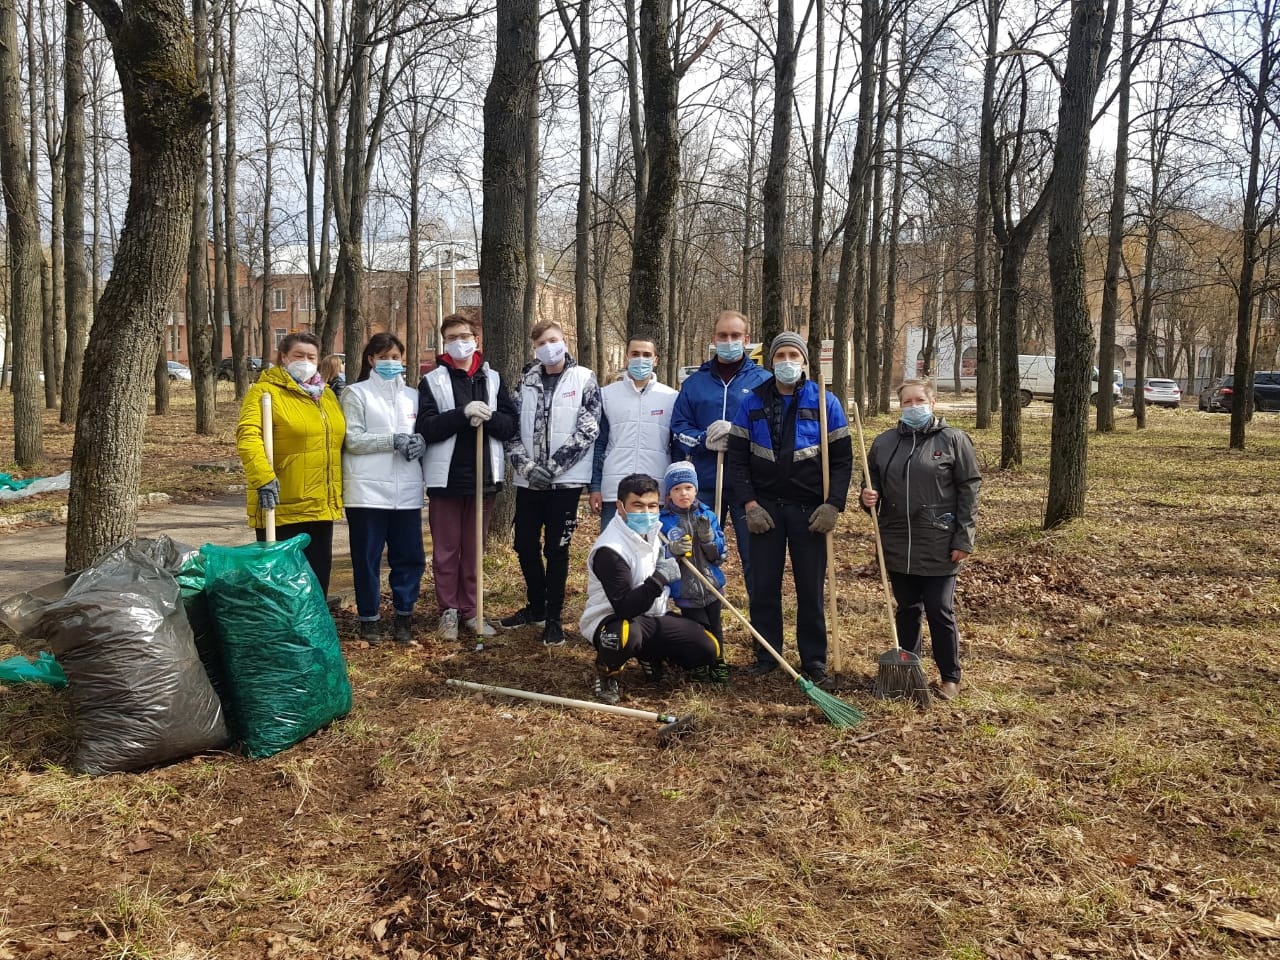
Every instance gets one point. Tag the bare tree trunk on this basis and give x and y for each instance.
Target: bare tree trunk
(165, 107)
(54, 151)
(532, 275)
(818, 165)
(876, 243)
(748, 203)
(635, 118)
(982, 221)
(26, 322)
(77, 274)
(268, 194)
(581, 47)
(235, 315)
(160, 375)
(890, 338)
(774, 194)
(1073, 333)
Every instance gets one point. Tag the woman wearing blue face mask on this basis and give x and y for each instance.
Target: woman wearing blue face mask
(382, 481)
(924, 485)
(775, 464)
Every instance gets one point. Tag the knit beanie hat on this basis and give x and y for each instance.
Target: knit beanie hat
(682, 471)
(788, 339)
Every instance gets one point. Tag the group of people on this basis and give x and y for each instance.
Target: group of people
(656, 465)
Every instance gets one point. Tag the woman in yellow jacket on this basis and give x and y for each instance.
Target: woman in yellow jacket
(304, 484)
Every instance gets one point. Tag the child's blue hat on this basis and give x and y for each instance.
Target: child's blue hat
(682, 471)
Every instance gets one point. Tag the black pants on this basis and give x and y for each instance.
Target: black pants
(544, 525)
(932, 599)
(708, 618)
(808, 551)
(666, 639)
(319, 552)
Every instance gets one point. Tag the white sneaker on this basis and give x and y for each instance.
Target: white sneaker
(449, 625)
(486, 630)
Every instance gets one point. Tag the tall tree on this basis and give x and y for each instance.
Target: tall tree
(165, 108)
(774, 195)
(200, 330)
(1087, 46)
(580, 45)
(77, 272)
(982, 308)
(25, 320)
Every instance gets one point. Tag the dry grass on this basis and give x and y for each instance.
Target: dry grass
(1107, 787)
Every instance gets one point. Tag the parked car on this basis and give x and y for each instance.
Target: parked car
(684, 373)
(178, 371)
(1162, 393)
(1219, 395)
(1037, 376)
(227, 368)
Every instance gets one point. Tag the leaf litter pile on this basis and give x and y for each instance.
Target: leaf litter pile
(1106, 787)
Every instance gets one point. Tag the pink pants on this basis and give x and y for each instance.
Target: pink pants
(453, 550)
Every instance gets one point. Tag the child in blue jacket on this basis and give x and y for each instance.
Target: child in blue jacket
(694, 533)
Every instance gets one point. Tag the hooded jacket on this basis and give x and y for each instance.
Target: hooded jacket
(689, 591)
(928, 481)
(705, 398)
(307, 440)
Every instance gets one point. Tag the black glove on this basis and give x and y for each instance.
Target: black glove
(269, 495)
(759, 520)
(666, 571)
(702, 529)
(823, 520)
(540, 477)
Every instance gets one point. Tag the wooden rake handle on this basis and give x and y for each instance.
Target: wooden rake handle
(269, 447)
(833, 621)
(875, 528)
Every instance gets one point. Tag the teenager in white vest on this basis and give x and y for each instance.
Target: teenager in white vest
(461, 395)
(635, 428)
(558, 405)
(628, 578)
(382, 486)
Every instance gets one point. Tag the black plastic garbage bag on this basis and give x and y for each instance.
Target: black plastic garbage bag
(138, 691)
(285, 671)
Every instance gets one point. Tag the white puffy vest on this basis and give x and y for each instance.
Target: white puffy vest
(384, 480)
(639, 432)
(641, 556)
(562, 421)
(435, 465)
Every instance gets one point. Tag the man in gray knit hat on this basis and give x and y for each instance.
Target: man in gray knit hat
(776, 465)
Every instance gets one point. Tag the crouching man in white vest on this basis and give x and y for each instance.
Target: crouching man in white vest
(635, 428)
(558, 408)
(628, 573)
(461, 395)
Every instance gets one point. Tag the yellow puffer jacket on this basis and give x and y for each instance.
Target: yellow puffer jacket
(308, 450)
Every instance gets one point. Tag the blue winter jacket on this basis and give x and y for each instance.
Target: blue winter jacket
(705, 398)
(706, 557)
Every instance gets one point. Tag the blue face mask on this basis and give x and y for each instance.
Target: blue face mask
(643, 523)
(639, 368)
(787, 371)
(730, 351)
(388, 369)
(917, 418)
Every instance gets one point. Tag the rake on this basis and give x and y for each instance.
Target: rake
(834, 709)
(899, 675)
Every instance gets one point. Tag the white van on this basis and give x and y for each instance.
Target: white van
(1036, 379)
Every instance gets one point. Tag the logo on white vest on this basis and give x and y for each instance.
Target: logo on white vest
(570, 395)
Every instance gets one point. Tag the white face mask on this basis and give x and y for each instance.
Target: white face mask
(550, 353)
(301, 370)
(460, 349)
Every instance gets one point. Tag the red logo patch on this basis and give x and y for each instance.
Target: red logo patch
(570, 395)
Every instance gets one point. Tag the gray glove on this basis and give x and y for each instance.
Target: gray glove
(823, 520)
(540, 477)
(759, 520)
(401, 443)
(269, 495)
(477, 411)
(666, 571)
(717, 439)
(702, 529)
(681, 546)
(416, 448)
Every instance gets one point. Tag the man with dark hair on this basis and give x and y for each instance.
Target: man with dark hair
(557, 405)
(628, 573)
(461, 395)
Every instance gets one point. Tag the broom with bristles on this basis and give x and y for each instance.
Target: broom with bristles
(834, 709)
(899, 675)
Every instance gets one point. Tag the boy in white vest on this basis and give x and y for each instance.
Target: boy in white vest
(461, 395)
(635, 428)
(628, 578)
(557, 405)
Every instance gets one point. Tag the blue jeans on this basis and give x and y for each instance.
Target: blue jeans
(741, 535)
(399, 532)
(607, 511)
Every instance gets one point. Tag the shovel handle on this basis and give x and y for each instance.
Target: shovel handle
(875, 528)
(269, 446)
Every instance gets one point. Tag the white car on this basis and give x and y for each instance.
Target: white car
(178, 371)
(684, 373)
(1162, 393)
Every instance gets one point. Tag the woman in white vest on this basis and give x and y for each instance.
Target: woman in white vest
(635, 428)
(461, 395)
(382, 486)
(558, 404)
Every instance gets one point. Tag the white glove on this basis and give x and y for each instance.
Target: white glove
(477, 411)
(717, 439)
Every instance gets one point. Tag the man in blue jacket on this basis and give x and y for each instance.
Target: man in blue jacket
(705, 409)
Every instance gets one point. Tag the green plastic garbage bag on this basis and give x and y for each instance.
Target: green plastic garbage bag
(44, 669)
(285, 671)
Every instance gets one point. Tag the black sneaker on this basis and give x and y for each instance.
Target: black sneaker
(553, 634)
(761, 668)
(820, 678)
(607, 690)
(653, 672)
(402, 629)
(371, 630)
(524, 617)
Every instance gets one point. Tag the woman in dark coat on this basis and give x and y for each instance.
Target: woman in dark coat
(925, 479)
